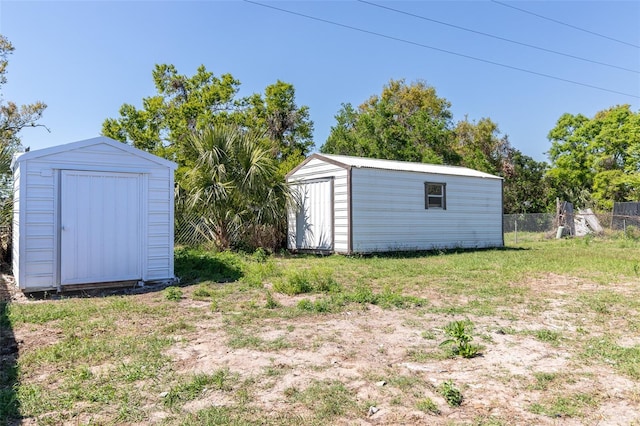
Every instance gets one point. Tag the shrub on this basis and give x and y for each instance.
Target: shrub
(296, 282)
(428, 406)
(460, 339)
(260, 255)
(314, 280)
(173, 293)
(450, 393)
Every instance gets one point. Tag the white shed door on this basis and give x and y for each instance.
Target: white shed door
(100, 227)
(314, 219)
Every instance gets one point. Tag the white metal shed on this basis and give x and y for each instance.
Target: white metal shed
(362, 205)
(91, 213)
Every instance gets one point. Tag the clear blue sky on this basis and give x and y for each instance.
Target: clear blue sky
(84, 59)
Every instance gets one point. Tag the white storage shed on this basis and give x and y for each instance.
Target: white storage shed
(362, 205)
(93, 213)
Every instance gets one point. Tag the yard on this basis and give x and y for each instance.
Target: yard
(293, 340)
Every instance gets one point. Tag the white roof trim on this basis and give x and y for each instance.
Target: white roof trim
(373, 163)
(89, 142)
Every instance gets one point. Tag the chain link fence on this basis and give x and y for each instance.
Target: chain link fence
(583, 223)
(192, 231)
(531, 222)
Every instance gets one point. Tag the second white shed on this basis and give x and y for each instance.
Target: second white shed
(91, 213)
(362, 205)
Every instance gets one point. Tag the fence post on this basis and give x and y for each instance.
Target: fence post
(515, 222)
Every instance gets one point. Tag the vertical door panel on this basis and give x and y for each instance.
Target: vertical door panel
(100, 227)
(314, 219)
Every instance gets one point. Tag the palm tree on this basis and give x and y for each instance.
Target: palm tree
(233, 187)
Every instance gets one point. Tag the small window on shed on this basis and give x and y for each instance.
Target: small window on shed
(435, 195)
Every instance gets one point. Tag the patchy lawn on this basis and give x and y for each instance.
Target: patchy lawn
(340, 340)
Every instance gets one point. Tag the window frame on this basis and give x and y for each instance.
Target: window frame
(443, 196)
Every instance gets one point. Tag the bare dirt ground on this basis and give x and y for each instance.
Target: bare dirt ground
(391, 358)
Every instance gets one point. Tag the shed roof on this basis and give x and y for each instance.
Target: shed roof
(89, 142)
(373, 163)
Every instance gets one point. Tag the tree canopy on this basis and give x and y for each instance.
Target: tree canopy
(184, 105)
(599, 155)
(406, 122)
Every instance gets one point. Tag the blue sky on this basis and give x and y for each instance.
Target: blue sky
(84, 59)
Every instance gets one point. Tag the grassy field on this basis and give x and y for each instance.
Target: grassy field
(539, 332)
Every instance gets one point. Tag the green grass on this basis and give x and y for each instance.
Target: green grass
(193, 387)
(624, 359)
(326, 400)
(107, 360)
(428, 406)
(571, 405)
(198, 265)
(543, 380)
(549, 336)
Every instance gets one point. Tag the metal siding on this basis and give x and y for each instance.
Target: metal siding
(37, 259)
(389, 213)
(37, 194)
(16, 234)
(317, 169)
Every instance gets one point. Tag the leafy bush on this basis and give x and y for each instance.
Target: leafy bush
(173, 293)
(256, 273)
(319, 306)
(297, 282)
(322, 280)
(450, 393)
(260, 255)
(460, 339)
(428, 406)
(316, 280)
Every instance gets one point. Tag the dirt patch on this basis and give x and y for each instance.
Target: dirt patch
(531, 361)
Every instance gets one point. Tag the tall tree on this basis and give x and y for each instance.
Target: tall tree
(181, 106)
(184, 105)
(600, 155)
(525, 189)
(405, 122)
(481, 146)
(286, 124)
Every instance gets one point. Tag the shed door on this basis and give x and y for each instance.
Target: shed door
(314, 219)
(100, 227)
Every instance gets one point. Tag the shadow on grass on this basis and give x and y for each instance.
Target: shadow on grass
(413, 254)
(193, 265)
(9, 404)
